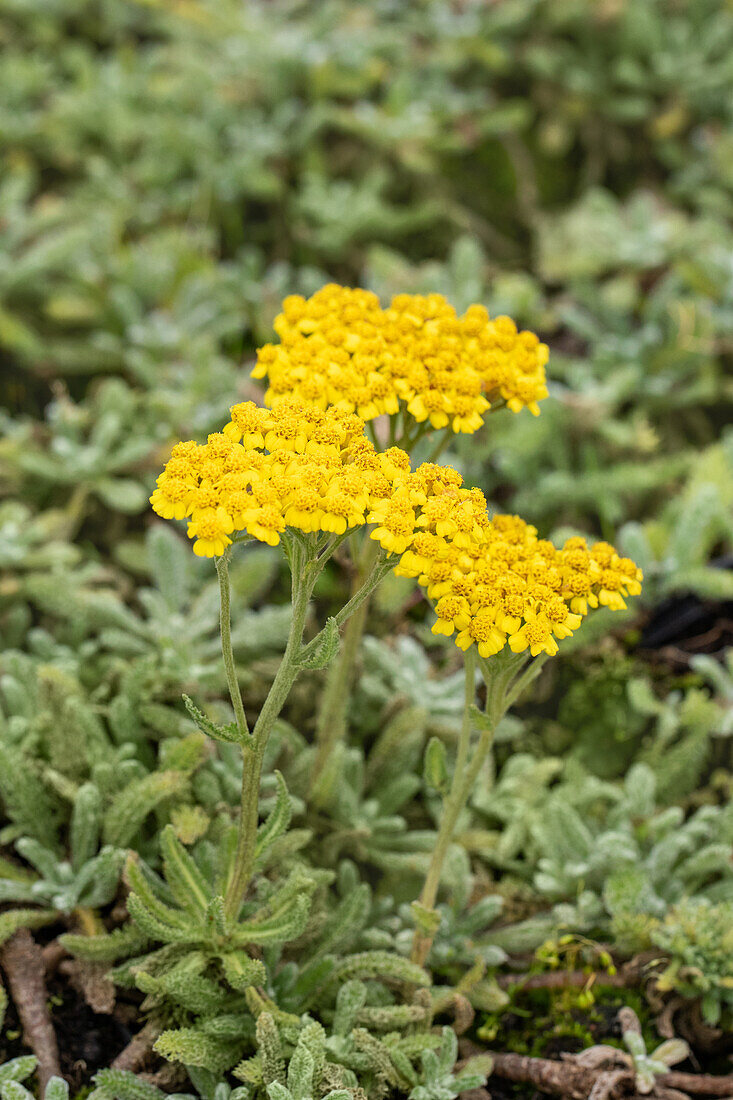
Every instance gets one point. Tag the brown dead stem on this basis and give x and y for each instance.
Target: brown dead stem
(23, 962)
(577, 1079)
(135, 1055)
(702, 1084)
(560, 1078)
(53, 953)
(567, 979)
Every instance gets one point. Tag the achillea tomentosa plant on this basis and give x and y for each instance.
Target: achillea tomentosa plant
(303, 475)
(419, 366)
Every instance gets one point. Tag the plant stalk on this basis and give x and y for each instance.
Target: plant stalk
(452, 807)
(500, 678)
(303, 579)
(225, 626)
(333, 709)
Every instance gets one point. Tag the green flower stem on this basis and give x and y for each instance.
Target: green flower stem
(452, 807)
(371, 432)
(411, 434)
(225, 624)
(304, 577)
(306, 559)
(445, 435)
(503, 687)
(304, 569)
(331, 723)
(523, 681)
(441, 443)
(383, 566)
(384, 563)
(247, 830)
(333, 705)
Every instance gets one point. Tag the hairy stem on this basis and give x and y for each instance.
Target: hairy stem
(303, 580)
(333, 708)
(499, 675)
(441, 443)
(225, 626)
(247, 831)
(381, 569)
(332, 712)
(411, 434)
(523, 681)
(452, 807)
(304, 571)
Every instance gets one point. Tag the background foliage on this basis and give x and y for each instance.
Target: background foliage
(170, 172)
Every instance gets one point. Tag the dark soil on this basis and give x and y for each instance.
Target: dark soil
(684, 625)
(87, 1040)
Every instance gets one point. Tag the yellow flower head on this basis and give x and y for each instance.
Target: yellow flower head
(295, 466)
(269, 469)
(495, 583)
(339, 347)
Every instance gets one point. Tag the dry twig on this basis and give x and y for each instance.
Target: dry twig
(53, 953)
(577, 1079)
(136, 1053)
(568, 979)
(23, 962)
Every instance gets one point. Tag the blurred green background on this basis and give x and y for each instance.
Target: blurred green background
(172, 169)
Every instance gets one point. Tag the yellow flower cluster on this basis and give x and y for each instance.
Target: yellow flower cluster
(493, 582)
(293, 466)
(340, 348)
